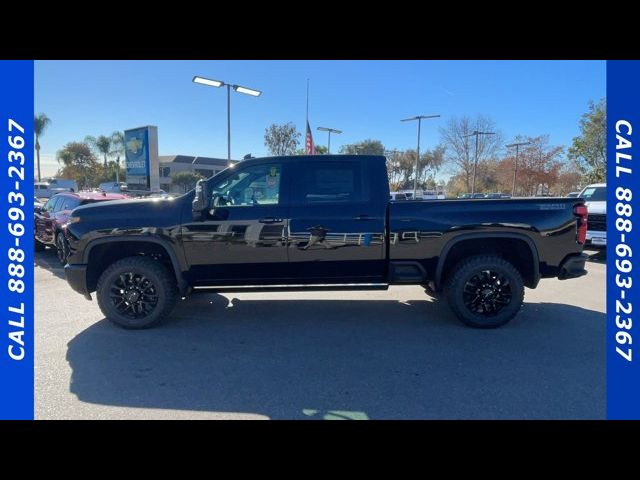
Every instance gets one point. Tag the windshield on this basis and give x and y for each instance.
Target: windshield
(594, 194)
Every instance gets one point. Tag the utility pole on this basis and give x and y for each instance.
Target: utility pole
(515, 167)
(475, 163)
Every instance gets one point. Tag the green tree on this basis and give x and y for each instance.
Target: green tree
(589, 149)
(401, 168)
(365, 147)
(281, 139)
(41, 122)
(102, 145)
(185, 180)
(80, 164)
(320, 150)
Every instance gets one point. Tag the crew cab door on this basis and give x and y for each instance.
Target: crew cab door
(242, 239)
(337, 222)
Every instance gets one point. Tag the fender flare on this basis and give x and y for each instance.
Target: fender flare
(165, 244)
(470, 236)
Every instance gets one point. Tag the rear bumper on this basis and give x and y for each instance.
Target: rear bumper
(76, 276)
(573, 266)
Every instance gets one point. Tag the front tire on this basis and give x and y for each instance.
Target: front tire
(136, 292)
(62, 247)
(485, 291)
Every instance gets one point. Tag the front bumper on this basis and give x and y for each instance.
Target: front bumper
(597, 238)
(76, 276)
(573, 266)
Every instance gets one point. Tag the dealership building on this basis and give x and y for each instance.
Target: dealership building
(204, 166)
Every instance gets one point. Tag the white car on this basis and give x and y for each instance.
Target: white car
(46, 190)
(595, 196)
(397, 196)
(113, 187)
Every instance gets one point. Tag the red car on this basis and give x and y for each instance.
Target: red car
(55, 213)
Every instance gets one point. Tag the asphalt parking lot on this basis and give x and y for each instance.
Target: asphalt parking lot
(378, 355)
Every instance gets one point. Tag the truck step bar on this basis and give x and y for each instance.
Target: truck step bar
(280, 288)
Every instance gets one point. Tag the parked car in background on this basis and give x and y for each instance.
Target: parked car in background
(46, 190)
(113, 187)
(395, 196)
(422, 194)
(50, 218)
(497, 195)
(64, 183)
(595, 197)
(573, 194)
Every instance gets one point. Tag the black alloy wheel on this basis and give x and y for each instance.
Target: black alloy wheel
(133, 295)
(487, 293)
(137, 292)
(484, 291)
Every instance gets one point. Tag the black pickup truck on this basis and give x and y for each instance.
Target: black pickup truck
(319, 222)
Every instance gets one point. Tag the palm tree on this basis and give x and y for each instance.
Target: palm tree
(117, 149)
(41, 122)
(101, 145)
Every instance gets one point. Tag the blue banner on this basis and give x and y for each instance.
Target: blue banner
(16, 240)
(623, 250)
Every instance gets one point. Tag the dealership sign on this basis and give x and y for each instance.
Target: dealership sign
(141, 158)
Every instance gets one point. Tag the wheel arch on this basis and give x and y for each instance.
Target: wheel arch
(102, 252)
(462, 246)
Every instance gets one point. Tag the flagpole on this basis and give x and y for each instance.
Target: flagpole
(307, 117)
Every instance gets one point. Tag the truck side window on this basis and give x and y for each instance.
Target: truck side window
(330, 182)
(256, 185)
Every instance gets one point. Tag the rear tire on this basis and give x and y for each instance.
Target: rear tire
(136, 292)
(485, 291)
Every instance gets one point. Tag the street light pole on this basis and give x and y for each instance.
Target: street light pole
(329, 131)
(475, 162)
(515, 166)
(419, 118)
(238, 88)
(228, 122)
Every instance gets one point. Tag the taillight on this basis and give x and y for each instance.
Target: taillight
(582, 213)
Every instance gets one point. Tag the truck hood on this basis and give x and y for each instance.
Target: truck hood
(131, 212)
(599, 208)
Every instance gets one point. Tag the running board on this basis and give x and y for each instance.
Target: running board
(281, 288)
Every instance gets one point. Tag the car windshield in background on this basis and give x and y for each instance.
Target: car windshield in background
(595, 194)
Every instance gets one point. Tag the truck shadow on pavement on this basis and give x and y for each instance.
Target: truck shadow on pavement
(48, 260)
(297, 359)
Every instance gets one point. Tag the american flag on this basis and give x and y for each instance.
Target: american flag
(310, 149)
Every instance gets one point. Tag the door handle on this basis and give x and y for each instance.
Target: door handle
(362, 217)
(270, 220)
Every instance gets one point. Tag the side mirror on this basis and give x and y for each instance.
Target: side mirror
(200, 202)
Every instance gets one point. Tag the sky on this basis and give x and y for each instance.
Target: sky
(364, 99)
